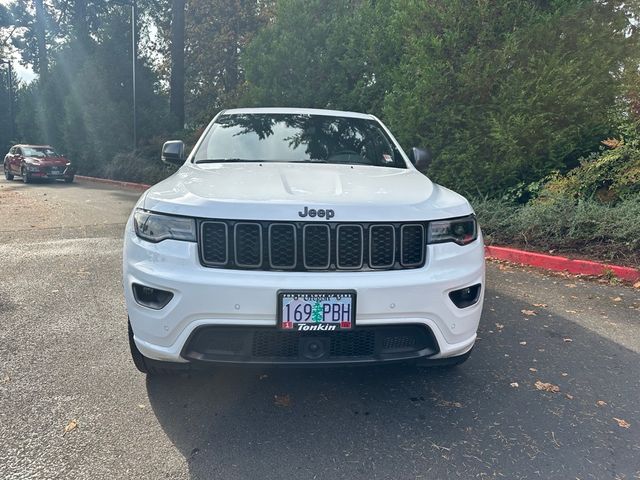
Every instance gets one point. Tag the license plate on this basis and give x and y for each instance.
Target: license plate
(55, 171)
(317, 311)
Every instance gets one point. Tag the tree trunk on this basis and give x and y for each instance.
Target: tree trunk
(176, 102)
(43, 63)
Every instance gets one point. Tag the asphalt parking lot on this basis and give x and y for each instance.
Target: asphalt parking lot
(64, 357)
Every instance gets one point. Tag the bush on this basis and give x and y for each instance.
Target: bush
(609, 176)
(585, 226)
(134, 167)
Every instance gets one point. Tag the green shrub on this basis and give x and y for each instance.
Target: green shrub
(610, 232)
(609, 176)
(134, 167)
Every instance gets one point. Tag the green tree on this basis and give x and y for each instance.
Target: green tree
(501, 92)
(216, 36)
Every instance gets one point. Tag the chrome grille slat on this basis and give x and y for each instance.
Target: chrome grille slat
(247, 244)
(412, 245)
(381, 255)
(213, 243)
(349, 247)
(282, 245)
(311, 246)
(316, 246)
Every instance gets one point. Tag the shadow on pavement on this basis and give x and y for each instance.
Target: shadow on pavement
(401, 422)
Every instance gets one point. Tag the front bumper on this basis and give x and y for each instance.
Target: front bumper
(208, 298)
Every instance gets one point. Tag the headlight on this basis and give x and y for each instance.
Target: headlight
(155, 227)
(459, 230)
(33, 168)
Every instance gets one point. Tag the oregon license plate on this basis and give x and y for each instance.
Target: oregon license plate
(317, 311)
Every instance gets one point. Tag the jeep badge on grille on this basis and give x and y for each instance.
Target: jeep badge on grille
(321, 213)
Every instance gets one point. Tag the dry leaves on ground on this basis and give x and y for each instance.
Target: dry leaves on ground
(568, 396)
(636, 285)
(529, 313)
(282, 400)
(622, 423)
(547, 387)
(533, 369)
(601, 403)
(499, 326)
(72, 425)
(540, 305)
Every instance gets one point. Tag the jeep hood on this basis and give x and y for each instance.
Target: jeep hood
(278, 191)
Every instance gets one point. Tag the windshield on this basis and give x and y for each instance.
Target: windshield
(39, 152)
(298, 138)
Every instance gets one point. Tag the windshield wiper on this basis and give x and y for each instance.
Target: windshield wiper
(223, 160)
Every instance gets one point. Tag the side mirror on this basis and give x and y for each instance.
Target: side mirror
(173, 152)
(420, 158)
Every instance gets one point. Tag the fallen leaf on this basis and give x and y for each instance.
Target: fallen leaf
(567, 340)
(636, 285)
(141, 406)
(514, 384)
(547, 387)
(523, 343)
(72, 425)
(528, 312)
(601, 403)
(569, 397)
(282, 400)
(616, 299)
(570, 285)
(540, 305)
(622, 423)
(533, 369)
(499, 326)
(571, 311)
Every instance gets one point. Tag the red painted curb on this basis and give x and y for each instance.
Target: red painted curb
(561, 264)
(116, 183)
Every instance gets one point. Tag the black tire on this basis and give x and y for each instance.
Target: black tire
(69, 180)
(26, 178)
(153, 367)
(450, 362)
(7, 174)
(136, 356)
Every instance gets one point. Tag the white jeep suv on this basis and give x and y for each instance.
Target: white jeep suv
(300, 237)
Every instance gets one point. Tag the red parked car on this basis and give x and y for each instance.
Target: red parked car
(37, 161)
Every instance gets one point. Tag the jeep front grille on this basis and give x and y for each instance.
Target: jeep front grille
(311, 246)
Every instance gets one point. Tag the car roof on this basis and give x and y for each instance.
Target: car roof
(297, 111)
(32, 146)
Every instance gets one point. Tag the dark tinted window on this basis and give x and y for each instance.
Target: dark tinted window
(39, 152)
(298, 138)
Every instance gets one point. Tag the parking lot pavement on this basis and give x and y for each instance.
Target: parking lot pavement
(63, 345)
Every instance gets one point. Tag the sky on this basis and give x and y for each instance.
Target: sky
(26, 74)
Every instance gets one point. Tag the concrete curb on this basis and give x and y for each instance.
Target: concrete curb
(115, 183)
(561, 264)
